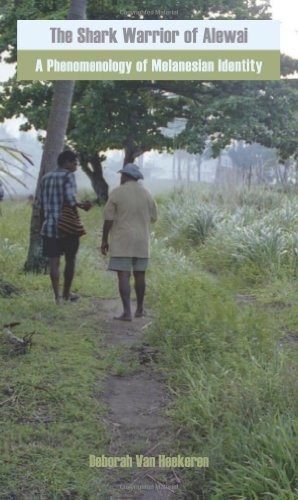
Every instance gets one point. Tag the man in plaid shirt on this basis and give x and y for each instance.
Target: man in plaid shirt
(59, 188)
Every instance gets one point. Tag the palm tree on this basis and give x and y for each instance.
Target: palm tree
(12, 157)
(56, 130)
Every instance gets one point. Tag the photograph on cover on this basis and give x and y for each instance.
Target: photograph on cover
(148, 249)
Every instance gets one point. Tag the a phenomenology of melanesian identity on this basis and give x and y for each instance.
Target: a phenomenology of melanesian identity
(157, 66)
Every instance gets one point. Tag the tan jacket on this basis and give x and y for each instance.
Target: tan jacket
(132, 209)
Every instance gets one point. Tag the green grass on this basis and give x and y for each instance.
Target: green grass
(223, 290)
(51, 412)
(223, 338)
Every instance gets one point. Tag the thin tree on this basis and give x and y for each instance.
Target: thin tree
(56, 130)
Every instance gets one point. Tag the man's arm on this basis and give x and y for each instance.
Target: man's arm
(109, 214)
(85, 205)
(105, 236)
(70, 194)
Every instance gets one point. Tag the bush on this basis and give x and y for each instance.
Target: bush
(257, 247)
(186, 219)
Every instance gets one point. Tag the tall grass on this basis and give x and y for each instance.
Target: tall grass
(266, 245)
(234, 383)
(236, 389)
(254, 233)
(187, 224)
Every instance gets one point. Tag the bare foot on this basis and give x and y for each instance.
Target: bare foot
(123, 317)
(72, 297)
(140, 314)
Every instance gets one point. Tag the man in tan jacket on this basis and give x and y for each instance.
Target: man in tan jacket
(126, 236)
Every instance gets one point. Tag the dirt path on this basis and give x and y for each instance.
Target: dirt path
(136, 420)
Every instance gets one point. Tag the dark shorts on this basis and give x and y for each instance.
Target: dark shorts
(128, 264)
(55, 247)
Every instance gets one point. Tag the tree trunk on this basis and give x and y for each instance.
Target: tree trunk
(219, 177)
(131, 150)
(93, 169)
(199, 164)
(249, 176)
(179, 170)
(174, 166)
(54, 144)
(188, 168)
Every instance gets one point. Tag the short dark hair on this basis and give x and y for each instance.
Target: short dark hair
(66, 156)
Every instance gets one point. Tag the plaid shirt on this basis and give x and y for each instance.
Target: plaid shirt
(57, 188)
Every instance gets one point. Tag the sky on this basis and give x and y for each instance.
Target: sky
(285, 11)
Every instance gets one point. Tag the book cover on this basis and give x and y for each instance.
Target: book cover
(187, 400)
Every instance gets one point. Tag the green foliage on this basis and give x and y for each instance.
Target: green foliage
(234, 385)
(51, 418)
(252, 232)
(112, 123)
(13, 10)
(266, 247)
(122, 114)
(230, 367)
(256, 112)
(266, 459)
(186, 219)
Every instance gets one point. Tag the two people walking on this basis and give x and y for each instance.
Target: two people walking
(128, 214)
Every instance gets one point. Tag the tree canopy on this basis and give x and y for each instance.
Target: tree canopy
(131, 114)
(263, 112)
